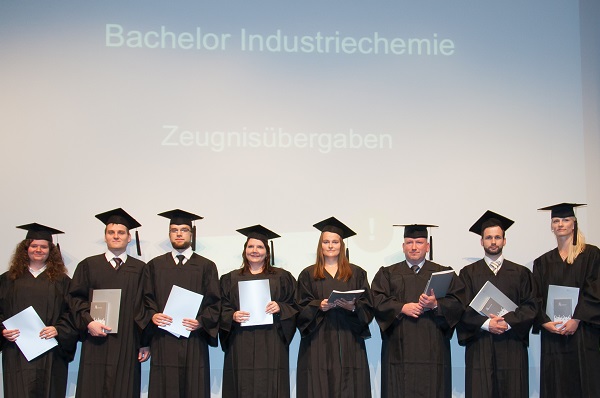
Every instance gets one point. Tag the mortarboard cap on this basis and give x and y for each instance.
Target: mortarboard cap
(334, 225)
(261, 233)
(415, 231)
(490, 219)
(258, 232)
(562, 209)
(39, 231)
(120, 216)
(182, 217)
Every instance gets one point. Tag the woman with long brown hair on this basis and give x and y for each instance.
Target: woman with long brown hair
(570, 358)
(37, 277)
(256, 362)
(332, 359)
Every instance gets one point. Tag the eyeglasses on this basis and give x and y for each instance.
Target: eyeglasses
(182, 230)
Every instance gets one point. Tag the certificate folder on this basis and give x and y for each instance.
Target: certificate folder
(499, 302)
(99, 311)
(561, 302)
(29, 341)
(111, 298)
(254, 297)
(439, 282)
(348, 295)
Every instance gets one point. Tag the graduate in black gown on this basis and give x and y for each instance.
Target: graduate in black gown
(332, 359)
(570, 357)
(496, 360)
(37, 277)
(256, 360)
(416, 328)
(110, 362)
(180, 366)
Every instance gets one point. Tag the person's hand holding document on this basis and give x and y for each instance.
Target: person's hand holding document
(179, 314)
(30, 334)
(255, 303)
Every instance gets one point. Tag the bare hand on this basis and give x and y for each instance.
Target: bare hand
(160, 319)
(413, 310)
(191, 324)
(569, 327)
(345, 304)
(497, 324)
(272, 308)
(325, 306)
(428, 301)
(143, 354)
(241, 316)
(98, 329)
(553, 327)
(48, 332)
(10, 335)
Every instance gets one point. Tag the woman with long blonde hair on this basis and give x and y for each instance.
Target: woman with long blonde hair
(570, 357)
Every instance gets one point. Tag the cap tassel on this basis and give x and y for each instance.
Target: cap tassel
(137, 243)
(194, 238)
(272, 253)
(58, 247)
(431, 248)
(348, 254)
(575, 234)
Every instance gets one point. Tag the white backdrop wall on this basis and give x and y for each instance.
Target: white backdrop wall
(383, 113)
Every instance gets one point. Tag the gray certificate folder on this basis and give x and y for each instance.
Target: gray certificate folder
(559, 298)
(439, 282)
(499, 299)
(112, 298)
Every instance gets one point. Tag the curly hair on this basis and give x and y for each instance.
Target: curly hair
(267, 267)
(19, 262)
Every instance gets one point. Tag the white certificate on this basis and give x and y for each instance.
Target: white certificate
(182, 303)
(29, 341)
(254, 297)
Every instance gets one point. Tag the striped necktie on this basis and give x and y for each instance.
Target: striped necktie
(494, 265)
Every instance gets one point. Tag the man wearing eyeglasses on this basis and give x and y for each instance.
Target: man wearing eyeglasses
(180, 366)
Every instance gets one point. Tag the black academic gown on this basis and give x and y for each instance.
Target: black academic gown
(332, 359)
(256, 360)
(109, 366)
(497, 365)
(46, 375)
(570, 365)
(180, 367)
(415, 352)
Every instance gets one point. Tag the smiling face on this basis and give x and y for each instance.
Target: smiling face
(117, 237)
(331, 244)
(562, 226)
(180, 236)
(256, 252)
(38, 251)
(415, 249)
(493, 240)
